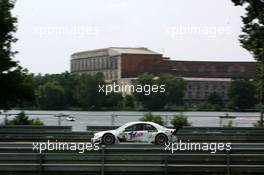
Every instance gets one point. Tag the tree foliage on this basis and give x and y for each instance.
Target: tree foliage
(22, 119)
(149, 117)
(129, 101)
(86, 91)
(215, 99)
(214, 103)
(242, 94)
(252, 38)
(173, 95)
(180, 120)
(51, 95)
(15, 83)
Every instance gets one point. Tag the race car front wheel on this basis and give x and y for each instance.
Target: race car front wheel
(161, 139)
(108, 139)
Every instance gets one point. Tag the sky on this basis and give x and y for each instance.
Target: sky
(49, 31)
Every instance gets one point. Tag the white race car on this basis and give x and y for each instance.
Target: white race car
(147, 132)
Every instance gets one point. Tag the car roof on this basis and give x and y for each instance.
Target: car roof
(140, 122)
(143, 122)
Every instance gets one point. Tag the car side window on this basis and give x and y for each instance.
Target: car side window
(150, 128)
(135, 127)
(130, 128)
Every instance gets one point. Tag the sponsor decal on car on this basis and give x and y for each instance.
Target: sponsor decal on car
(134, 134)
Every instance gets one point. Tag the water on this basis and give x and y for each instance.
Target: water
(85, 118)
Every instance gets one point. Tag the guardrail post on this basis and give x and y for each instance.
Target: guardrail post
(5, 120)
(167, 120)
(40, 162)
(228, 162)
(102, 159)
(166, 165)
(113, 116)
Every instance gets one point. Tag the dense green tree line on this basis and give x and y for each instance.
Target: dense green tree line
(81, 91)
(173, 94)
(66, 91)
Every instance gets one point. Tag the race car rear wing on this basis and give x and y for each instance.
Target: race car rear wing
(177, 128)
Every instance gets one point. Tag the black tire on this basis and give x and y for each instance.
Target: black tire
(108, 139)
(161, 139)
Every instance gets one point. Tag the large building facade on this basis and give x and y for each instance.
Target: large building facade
(124, 64)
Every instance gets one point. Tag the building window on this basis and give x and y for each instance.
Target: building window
(103, 63)
(93, 64)
(198, 94)
(190, 94)
(206, 94)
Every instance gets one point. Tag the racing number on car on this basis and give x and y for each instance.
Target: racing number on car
(134, 134)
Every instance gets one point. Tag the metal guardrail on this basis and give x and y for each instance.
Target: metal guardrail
(231, 134)
(191, 129)
(136, 159)
(238, 134)
(114, 116)
(86, 136)
(39, 136)
(32, 128)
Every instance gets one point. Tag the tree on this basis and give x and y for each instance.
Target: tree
(149, 117)
(153, 101)
(129, 101)
(16, 84)
(215, 99)
(175, 88)
(252, 39)
(22, 119)
(66, 80)
(113, 100)
(242, 94)
(86, 91)
(213, 103)
(180, 120)
(173, 94)
(51, 96)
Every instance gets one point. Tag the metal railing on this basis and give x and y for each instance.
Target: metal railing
(135, 159)
(34, 133)
(34, 128)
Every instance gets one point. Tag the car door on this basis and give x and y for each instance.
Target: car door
(132, 133)
(150, 131)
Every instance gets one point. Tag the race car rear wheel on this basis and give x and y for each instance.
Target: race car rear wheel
(108, 139)
(161, 139)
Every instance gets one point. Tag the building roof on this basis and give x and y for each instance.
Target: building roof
(113, 51)
(130, 50)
